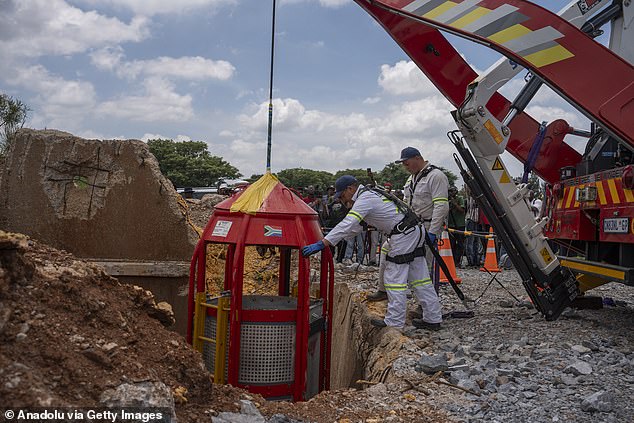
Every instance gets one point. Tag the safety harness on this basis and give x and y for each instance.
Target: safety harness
(416, 179)
(409, 222)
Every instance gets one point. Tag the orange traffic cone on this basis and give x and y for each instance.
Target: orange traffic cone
(490, 260)
(447, 256)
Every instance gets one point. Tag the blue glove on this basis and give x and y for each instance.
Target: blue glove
(311, 249)
(432, 237)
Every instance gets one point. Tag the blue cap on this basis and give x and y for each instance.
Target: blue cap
(344, 182)
(408, 153)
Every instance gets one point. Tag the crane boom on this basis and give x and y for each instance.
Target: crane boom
(559, 50)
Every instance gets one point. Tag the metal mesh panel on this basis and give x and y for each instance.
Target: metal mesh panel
(209, 349)
(267, 349)
(267, 353)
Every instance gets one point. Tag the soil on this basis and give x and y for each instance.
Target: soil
(69, 332)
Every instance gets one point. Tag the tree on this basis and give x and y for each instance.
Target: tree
(13, 114)
(395, 174)
(189, 164)
(360, 174)
(450, 176)
(300, 178)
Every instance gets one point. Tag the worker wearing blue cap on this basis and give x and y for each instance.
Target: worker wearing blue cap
(406, 260)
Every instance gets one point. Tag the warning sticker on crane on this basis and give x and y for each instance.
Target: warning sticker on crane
(546, 255)
(505, 179)
(497, 164)
(492, 130)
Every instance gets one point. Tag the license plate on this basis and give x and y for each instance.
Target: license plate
(617, 225)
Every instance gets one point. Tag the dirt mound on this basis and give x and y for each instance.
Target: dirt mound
(70, 332)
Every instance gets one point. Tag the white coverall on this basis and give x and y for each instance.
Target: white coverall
(383, 214)
(428, 196)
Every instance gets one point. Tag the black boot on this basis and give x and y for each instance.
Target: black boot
(377, 296)
(421, 324)
(379, 323)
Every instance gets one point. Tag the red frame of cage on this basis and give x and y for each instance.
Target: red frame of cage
(306, 230)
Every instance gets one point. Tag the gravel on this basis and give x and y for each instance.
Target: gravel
(512, 364)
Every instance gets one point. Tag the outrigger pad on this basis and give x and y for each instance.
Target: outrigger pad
(552, 301)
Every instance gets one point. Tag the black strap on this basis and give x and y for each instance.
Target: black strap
(407, 258)
(409, 221)
(416, 179)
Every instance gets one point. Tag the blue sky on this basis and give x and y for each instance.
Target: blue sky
(346, 96)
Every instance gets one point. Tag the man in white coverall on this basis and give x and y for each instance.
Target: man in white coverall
(426, 192)
(405, 262)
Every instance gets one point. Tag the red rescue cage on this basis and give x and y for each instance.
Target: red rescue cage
(274, 345)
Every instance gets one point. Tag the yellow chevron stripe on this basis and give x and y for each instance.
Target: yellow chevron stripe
(629, 197)
(475, 14)
(549, 56)
(560, 203)
(613, 192)
(601, 193)
(576, 203)
(434, 13)
(509, 34)
(571, 192)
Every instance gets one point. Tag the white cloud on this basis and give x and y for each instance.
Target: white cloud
(147, 136)
(328, 141)
(190, 68)
(325, 3)
(371, 100)
(107, 58)
(182, 138)
(59, 102)
(32, 28)
(334, 3)
(159, 102)
(405, 78)
(153, 7)
(194, 68)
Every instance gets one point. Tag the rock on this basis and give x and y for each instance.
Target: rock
(109, 346)
(569, 380)
(431, 364)
(140, 395)
(281, 418)
(504, 358)
(505, 372)
(163, 313)
(591, 345)
(580, 349)
(579, 368)
(502, 380)
(249, 413)
(457, 377)
(599, 401)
